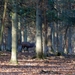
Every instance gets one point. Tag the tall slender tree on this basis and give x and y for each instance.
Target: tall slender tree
(70, 41)
(8, 45)
(14, 33)
(3, 19)
(39, 51)
(45, 28)
(19, 28)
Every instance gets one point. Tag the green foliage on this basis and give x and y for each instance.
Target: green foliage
(28, 12)
(21, 11)
(52, 13)
(52, 16)
(71, 20)
(51, 3)
(68, 19)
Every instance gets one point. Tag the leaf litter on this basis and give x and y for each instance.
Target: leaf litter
(53, 65)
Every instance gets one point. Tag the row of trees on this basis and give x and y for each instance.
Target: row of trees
(54, 22)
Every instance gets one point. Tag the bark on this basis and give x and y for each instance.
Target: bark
(8, 45)
(53, 37)
(66, 41)
(14, 33)
(25, 34)
(0, 33)
(69, 41)
(49, 43)
(45, 48)
(60, 47)
(2, 26)
(39, 51)
(59, 40)
(22, 35)
(19, 28)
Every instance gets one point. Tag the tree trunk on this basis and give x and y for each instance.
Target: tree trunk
(69, 41)
(60, 47)
(25, 33)
(22, 35)
(49, 43)
(8, 46)
(45, 47)
(2, 26)
(66, 42)
(0, 33)
(53, 37)
(39, 51)
(19, 29)
(14, 34)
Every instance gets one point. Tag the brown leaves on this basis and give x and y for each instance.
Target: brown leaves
(27, 66)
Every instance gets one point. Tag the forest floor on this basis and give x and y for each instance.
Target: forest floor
(53, 65)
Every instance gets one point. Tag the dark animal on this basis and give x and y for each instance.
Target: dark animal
(26, 45)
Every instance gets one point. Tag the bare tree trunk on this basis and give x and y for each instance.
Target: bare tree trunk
(45, 48)
(66, 42)
(60, 48)
(14, 34)
(2, 26)
(53, 37)
(39, 51)
(22, 35)
(0, 33)
(8, 46)
(49, 43)
(25, 32)
(69, 41)
(19, 28)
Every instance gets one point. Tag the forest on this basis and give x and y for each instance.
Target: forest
(37, 34)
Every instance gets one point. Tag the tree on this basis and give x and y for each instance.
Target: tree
(39, 51)
(19, 28)
(14, 33)
(70, 41)
(68, 21)
(3, 19)
(8, 44)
